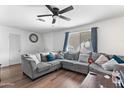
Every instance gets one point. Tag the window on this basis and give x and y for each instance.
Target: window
(74, 42)
(79, 41)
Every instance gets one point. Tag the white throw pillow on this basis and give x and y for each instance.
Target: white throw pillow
(38, 56)
(35, 59)
(101, 59)
(83, 58)
(110, 65)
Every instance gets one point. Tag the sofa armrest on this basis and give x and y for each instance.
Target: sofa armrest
(99, 69)
(28, 65)
(119, 67)
(32, 64)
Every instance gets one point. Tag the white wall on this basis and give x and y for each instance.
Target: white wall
(26, 45)
(110, 36)
(48, 41)
(53, 40)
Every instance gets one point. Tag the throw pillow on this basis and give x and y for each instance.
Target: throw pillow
(38, 56)
(50, 57)
(71, 56)
(35, 59)
(101, 59)
(118, 59)
(54, 54)
(60, 55)
(106, 55)
(83, 58)
(44, 57)
(110, 65)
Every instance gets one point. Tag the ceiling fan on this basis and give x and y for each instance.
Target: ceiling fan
(56, 12)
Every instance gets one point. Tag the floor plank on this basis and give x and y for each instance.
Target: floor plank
(57, 79)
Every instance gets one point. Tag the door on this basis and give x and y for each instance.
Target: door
(12, 71)
(14, 49)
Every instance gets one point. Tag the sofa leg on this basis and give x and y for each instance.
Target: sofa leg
(28, 77)
(33, 79)
(23, 73)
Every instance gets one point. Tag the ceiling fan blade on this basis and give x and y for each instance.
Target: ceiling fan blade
(54, 20)
(65, 18)
(41, 20)
(50, 8)
(66, 9)
(44, 15)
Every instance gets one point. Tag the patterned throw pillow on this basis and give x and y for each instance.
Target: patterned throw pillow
(60, 55)
(101, 59)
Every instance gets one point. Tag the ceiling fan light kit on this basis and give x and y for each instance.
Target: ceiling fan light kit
(56, 12)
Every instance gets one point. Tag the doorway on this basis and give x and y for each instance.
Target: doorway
(14, 58)
(12, 72)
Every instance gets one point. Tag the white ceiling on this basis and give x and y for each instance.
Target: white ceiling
(24, 16)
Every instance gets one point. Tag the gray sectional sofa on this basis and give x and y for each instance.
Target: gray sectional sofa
(33, 70)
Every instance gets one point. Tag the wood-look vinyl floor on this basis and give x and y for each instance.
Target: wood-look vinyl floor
(14, 77)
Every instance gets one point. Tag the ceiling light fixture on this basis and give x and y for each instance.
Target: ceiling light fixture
(54, 17)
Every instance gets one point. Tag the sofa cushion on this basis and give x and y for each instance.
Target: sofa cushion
(54, 62)
(81, 67)
(101, 59)
(110, 65)
(69, 64)
(71, 56)
(68, 61)
(43, 66)
(82, 64)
